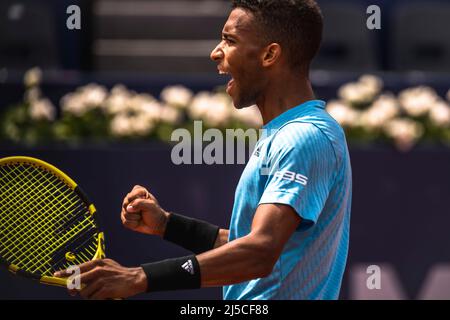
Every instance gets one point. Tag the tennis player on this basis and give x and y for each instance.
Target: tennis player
(289, 231)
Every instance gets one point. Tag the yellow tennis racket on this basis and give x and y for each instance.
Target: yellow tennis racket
(47, 223)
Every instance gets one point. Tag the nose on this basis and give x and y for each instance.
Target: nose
(217, 53)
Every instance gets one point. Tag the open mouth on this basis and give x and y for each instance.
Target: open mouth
(230, 83)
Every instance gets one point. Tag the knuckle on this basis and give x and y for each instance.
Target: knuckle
(97, 270)
(100, 263)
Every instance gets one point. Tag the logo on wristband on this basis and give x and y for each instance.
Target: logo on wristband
(188, 266)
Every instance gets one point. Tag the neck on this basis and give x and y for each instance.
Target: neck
(283, 94)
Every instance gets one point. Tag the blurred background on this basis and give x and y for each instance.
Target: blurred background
(101, 101)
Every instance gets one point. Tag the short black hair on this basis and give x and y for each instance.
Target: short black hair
(295, 24)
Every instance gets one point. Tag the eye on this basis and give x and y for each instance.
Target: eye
(228, 40)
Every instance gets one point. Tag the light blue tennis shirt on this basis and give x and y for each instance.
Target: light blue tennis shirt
(302, 161)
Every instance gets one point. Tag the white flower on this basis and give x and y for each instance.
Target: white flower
(72, 103)
(170, 115)
(249, 116)
(134, 114)
(355, 93)
(84, 99)
(440, 114)
(200, 105)
(176, 96)
(118, 100)
(32, 77)
(382, 110)
(388, 105)
(405, 132)
(372, 119)
(350, 93)
(42, 110)
(373, 83)
(142, 125)
(219, 112)
(120, 89)
(142, 104)
(121, 126)
(215, 109)
(418, 101)
(93, 95)
(345, 115)
(363, 91)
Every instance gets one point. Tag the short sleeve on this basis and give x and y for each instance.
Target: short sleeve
(301, 166)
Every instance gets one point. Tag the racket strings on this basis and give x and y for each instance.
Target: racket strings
(42, 214)
(20, 217)
(24, 217)
(28, 252)
(45, 255)
(82, 247)
(16, 201)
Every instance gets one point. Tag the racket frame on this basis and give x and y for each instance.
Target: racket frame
(100, 253)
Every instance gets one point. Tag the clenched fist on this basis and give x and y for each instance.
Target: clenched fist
(142, 213)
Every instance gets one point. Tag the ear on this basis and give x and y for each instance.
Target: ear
(271, 54)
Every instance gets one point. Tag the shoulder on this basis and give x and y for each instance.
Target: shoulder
(303, 144)
(300, 135)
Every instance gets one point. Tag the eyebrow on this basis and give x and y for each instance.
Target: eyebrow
(229, 35)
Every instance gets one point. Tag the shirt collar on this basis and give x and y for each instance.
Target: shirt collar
(294, 113)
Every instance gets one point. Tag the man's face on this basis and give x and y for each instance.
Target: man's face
(239, 54)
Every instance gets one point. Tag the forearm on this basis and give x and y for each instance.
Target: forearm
(222, 238)
(240, 260)
(243, 259)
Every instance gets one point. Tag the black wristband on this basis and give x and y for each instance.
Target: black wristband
(192, 234)
(173, 274)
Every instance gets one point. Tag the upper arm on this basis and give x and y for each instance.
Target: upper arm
(302, 170)
(273, 225)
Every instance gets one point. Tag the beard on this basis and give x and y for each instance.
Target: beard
(243, 96)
